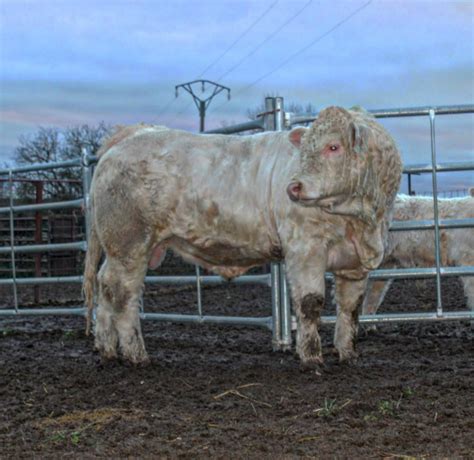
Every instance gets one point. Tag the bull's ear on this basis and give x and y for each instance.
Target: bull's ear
(296, 135)
(358, 137)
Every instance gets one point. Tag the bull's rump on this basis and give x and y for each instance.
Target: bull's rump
(208, 197)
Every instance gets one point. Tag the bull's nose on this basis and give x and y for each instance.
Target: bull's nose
(294, 190)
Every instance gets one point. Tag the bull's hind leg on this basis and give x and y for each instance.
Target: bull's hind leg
(349, 297)
(106, 338)
(118, 321)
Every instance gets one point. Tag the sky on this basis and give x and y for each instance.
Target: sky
(70, 62)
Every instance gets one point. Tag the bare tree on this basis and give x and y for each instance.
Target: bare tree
(53, 145)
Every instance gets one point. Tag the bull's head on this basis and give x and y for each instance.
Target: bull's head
(333, 152)
(349, 165)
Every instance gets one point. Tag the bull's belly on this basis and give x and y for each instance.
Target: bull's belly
(216, 252)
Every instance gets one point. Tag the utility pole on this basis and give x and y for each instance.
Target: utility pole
(202, 104)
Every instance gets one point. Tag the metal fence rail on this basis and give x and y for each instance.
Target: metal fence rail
(281, 321)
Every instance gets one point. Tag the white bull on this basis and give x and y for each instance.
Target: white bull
(320, 198)
(416, 248)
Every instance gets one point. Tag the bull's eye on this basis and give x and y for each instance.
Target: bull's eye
(333, 147)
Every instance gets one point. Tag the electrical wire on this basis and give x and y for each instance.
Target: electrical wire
(242, 35)
(266, 40)
(301, 50)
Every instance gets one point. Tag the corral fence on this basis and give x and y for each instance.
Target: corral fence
(280, 322)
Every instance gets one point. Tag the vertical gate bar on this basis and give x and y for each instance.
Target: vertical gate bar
(86, 185)
(276, 310)
(198, 286)
(269, 125)
(285, 303)
(439, 305)
(38, 237)
(12, 242)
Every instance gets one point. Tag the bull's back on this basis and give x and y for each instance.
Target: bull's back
(214, 192)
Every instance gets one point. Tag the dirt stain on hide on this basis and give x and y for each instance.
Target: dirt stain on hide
(115, 294)
(311, 306)
(212, 211)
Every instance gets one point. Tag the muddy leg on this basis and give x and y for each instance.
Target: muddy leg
(120, 287)
(106, 338)
(306, 275)
(349, 296)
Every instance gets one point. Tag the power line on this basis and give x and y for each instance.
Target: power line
(166, 106)
(266, 40)
(242, 35)
(302, 50)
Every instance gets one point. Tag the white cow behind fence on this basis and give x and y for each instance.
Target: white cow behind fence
(416, 248)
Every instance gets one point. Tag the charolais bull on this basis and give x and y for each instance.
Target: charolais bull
(320, 198)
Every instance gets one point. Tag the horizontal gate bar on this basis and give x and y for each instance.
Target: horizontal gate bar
(429, 224)
(42, 167)
(43, 280)
(80, 245)
(440, 167)
(81, 311)
(402, 317)
(211, 279)
(411, 273)
(229, 320)
(254, 124)
(400, 112)
(249, 321)
(255, 279)
(44, 206)
(191, 279)
(421, 111)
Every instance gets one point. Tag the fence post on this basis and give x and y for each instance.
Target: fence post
(285, 303)
(269, 125)
(274, 120)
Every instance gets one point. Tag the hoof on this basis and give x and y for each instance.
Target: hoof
(348, 357)
(106, 355)
(137, 361)
(312, 365)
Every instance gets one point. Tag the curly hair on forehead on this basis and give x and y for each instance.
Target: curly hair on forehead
(334, 117)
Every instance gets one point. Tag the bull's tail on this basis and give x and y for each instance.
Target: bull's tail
(93, 254)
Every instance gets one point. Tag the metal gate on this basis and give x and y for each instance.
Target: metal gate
(280, 321)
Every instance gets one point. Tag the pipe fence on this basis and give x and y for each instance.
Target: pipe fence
(281, 322)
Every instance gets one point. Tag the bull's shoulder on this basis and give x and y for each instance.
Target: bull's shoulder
(122, 133)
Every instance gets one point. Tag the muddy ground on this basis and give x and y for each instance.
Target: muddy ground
(221, 392)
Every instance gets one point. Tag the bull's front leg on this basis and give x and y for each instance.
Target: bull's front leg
(305, 271)
(349, 297)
